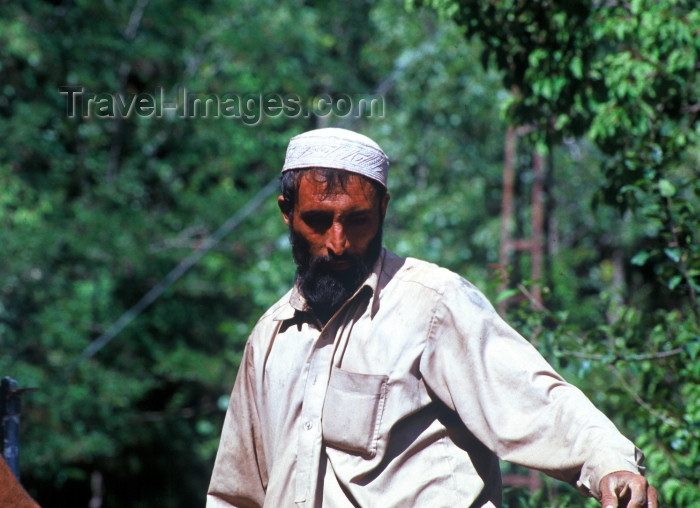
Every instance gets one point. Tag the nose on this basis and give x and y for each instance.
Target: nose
(337, 241)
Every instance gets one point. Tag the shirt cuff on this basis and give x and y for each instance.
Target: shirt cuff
(604, 464)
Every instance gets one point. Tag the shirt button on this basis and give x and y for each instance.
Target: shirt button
(308, 425)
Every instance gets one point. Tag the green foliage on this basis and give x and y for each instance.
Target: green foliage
(625, 74)
(94, 212)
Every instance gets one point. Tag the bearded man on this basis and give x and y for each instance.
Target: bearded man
(382, 381)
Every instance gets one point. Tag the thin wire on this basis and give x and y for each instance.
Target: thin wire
(232, 223)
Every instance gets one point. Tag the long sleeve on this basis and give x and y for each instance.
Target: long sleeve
(239, 478)
(512, 400)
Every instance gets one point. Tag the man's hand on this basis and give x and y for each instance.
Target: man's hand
(627, 490)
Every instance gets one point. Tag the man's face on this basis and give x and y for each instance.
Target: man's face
(336, 237)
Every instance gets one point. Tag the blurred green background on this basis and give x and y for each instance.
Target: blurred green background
(96, 210)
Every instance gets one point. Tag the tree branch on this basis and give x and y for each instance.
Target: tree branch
(671, 422)
(681, 261)
(130, 32)
(631, 358)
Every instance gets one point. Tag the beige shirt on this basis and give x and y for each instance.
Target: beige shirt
(404, 399)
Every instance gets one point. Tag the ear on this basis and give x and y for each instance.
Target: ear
(284, 208)
(384, 204)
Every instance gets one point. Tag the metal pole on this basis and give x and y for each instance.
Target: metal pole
(10, 412)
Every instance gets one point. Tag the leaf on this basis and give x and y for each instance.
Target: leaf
(693, 349)
(640, 258)
(666, 188)
(673, 254)
(675, 280)
(576, 67)
(504, 295)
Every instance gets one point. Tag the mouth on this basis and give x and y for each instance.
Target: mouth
(339, 265)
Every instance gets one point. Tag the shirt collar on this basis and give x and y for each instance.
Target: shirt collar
(297, 303)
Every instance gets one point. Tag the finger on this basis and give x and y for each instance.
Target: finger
(608, 496)
(638, 495)
(609, 501)
(652, 497)
(609, 488)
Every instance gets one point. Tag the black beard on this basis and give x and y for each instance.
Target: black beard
(325, 289)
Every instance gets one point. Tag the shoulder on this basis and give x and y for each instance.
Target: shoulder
(447, 286)
(269, 321)
(434, 278)
(409, 270)
(279, 310)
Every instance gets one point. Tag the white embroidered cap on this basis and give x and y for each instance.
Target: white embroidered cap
(337, 149)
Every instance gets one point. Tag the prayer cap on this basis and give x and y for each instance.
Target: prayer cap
(337, 149)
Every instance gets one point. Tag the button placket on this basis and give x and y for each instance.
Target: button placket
(332, 337)
(310, 439)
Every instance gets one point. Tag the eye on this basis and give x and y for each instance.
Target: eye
(358, 220)
(317, 221)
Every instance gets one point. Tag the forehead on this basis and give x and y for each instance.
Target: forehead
(314, 193)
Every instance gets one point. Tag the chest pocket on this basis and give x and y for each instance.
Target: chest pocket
(352, 411)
